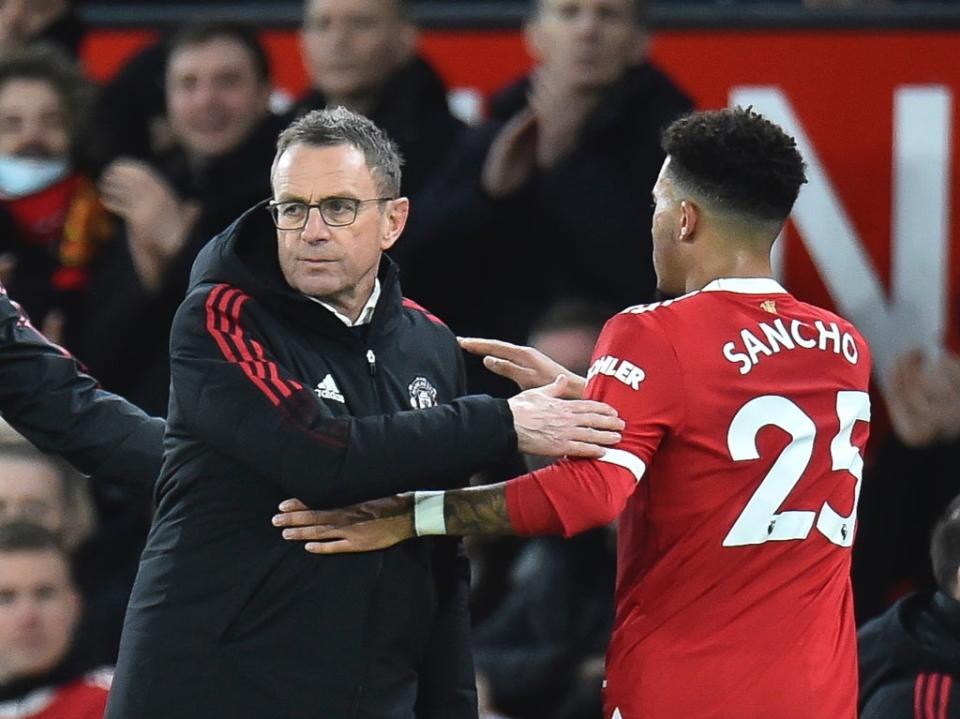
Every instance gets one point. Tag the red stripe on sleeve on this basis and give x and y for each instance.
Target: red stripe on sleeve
(918, 696)
(945, 686)
(411, 305)
(930, 700)
(265, 368)
(214, 310)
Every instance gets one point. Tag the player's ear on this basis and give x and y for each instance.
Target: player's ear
(689, 217)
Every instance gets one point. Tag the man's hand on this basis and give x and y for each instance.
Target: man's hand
(157, 222)
(512, 156)
(550, 426)
(561, 111)
(364, 527)
(528, 367)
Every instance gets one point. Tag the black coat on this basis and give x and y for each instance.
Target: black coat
(226, 618)
(912, 649)
(46, 397)
(412, 109)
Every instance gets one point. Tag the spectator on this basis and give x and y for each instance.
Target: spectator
(54, 22)
(362, 54)
(54, 220)
(890, 557)
(217, 90)
(44, 490)
(556, 173)
(910, 656)
(40, 675)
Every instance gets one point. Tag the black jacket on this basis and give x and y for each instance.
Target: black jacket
(412, 109)
(46, 397)
(910, 660)
(580, 229)
(226, 618)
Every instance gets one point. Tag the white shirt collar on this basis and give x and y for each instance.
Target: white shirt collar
(366, 314)
(745, 285)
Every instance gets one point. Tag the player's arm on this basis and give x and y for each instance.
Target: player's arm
(568, 497)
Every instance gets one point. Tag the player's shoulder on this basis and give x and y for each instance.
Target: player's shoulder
(828, 317)
(658, 316)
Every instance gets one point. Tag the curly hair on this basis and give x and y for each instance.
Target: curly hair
(736, 160)
(945, 548)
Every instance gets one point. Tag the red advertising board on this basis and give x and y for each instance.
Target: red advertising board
(875, 232)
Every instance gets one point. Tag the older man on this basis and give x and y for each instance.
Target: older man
(296, 364)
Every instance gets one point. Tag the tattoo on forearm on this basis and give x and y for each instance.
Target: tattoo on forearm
(478, 510)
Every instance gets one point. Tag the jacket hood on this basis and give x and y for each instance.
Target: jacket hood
(245, 256)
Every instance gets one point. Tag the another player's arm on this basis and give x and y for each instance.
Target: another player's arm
(382, 523)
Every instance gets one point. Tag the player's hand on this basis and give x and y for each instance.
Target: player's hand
(526, 366)
(364, 527)
(550, 426)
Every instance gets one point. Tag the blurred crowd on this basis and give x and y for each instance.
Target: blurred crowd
(108, 193)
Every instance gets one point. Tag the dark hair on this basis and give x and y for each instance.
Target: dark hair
(46, 63)
(20, 536)
(736, 160)
(202, 33)
(945, 548)
(340, 126)
(639, 10)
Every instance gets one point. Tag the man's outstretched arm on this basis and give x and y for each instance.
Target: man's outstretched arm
(566, 498)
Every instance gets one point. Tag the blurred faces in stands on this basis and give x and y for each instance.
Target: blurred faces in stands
(43, 490)
(589, 43)
(22, 20)
(218, 91)
(351, 47)
(39, 604)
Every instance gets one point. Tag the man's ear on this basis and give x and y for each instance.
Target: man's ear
(395, 220)
(689, 219)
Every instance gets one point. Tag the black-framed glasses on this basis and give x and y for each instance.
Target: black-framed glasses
(334, 211)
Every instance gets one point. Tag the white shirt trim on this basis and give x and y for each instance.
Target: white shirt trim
(366, 314)
(631, 462)
(745, 285)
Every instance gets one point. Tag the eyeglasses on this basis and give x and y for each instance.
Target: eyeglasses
(334, 211)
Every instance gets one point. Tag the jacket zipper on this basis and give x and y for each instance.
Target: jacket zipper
(372, 363)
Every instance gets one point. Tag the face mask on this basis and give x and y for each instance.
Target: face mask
(21, 176)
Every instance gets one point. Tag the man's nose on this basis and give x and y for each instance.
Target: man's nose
(315, 229)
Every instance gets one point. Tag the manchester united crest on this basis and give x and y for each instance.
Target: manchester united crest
(422, 393)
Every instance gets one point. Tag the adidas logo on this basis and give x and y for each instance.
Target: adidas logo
(327, 389)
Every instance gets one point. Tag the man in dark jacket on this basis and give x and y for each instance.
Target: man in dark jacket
(557, 173)
(295, 364)
(361, 54)
(910, 655)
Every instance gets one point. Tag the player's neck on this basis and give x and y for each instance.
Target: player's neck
(729, 264)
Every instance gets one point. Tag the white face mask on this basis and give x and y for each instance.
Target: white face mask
(22, 176)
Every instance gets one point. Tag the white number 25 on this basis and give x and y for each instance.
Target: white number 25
(760, 521)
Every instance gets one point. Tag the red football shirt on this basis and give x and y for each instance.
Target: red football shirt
(84, 698)
(747, 414)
